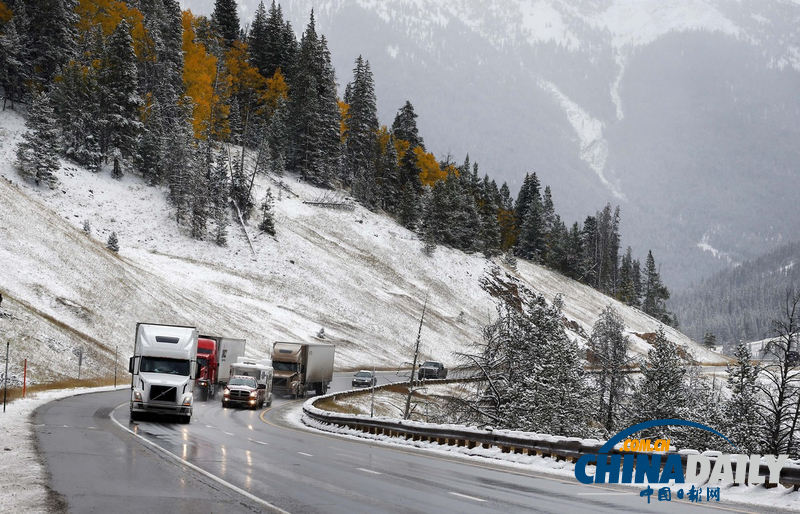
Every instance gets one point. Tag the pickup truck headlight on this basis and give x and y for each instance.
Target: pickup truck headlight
(226, 392)
(253, 394)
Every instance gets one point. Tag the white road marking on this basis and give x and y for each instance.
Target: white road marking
(306, 454)
(370, 471)
(259, 442)
(467, 497)
(252, 497)
(227, 433)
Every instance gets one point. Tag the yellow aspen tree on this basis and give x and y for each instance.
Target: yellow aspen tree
(431, 171)
(5, 13)
(107, 14)
(203, 80)
(247, 86)
(277, 89)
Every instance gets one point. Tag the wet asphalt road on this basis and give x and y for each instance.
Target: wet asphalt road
(97, 465)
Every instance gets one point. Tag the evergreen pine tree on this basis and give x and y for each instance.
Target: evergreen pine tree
(77, 100)
(15, 66)
(662, 391)
(122, 102)
(744, 424)
(361, 134)
(404, 126)
(314, 111)
(179, 163)
(219, 198)
(267, 215)
(531, 373)
(49, 38)
(258, 41)
(387, 177)
(200, 189)
(590, 262)
(655, 293)
(151, 145)
(225, 20)
(113, 243)
(37, 153)
(626, 293)
(710, 340)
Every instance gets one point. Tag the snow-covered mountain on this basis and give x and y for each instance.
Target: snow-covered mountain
(683, 112)
(356, 274)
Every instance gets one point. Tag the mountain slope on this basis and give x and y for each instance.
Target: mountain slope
(741, 304)
(355, 274)
(682, 112)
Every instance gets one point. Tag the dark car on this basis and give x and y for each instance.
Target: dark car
(432, 369)
(364, 378)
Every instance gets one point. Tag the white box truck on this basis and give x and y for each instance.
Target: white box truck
(229, 352)
(302, 367)
(163, 370)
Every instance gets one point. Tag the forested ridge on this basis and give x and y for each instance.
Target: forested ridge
(740, 303)
(201, 105)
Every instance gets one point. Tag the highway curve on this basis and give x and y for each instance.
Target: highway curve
(231, 460)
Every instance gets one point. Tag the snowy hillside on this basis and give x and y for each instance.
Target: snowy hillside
(355, 274)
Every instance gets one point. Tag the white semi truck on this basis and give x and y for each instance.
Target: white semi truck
(302, 367)
(163, 370)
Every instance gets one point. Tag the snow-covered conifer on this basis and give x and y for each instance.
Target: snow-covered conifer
(742, 410)
(37, 153)
(608, 355)
(113, 243)
(268, 217)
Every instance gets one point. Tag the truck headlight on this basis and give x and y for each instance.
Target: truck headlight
(226, 392)
(253, 394)
(137, 396)
(187, 401)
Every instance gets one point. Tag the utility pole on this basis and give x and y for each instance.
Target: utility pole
(372, 401)
(5, 379)
(414, 363)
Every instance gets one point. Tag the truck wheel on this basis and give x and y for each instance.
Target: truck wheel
(135, 416)
(186, 419)
(269, 402)
(204, 394)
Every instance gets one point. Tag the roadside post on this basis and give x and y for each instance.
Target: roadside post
(24, 376)
(5, 379)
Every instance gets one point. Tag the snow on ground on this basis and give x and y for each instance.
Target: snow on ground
(780, 497)
(23, 480)
(356, 274)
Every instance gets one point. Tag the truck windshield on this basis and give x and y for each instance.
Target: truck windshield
(202, 362)
(243, 381)
(162, 365)
(284, 366)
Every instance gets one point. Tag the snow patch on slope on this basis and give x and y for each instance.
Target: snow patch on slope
(640, 22)
(705, 245)
(594, 147)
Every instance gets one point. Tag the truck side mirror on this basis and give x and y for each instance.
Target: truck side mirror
(131, 362)
(262, 386)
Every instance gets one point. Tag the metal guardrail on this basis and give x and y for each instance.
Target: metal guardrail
(560, 448)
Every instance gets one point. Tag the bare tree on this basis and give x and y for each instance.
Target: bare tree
(781, 380)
